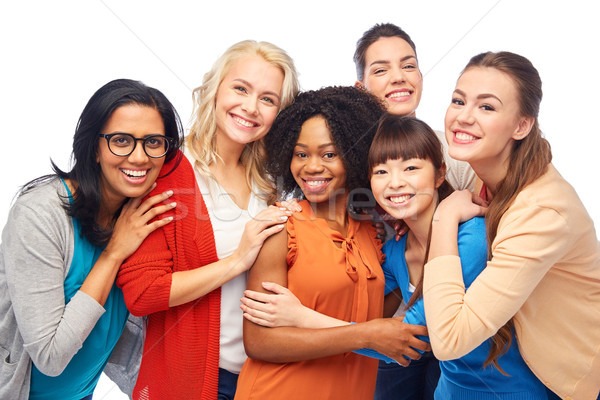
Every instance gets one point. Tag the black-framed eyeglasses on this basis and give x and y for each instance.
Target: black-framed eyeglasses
(123, 144)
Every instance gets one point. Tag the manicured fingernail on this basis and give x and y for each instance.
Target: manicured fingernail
(173, 204)
(169, 192)
(284, 218)
(169, 219)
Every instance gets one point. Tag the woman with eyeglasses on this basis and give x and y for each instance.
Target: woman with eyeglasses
(188, 277)
(68, 233)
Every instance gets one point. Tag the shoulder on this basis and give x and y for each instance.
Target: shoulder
(549, 201)
(44, 201)
(393, 248)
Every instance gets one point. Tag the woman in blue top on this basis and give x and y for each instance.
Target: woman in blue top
(66, 236)
(407, 180)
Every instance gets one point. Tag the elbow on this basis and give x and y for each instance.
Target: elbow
(446, 350)
(51, 366)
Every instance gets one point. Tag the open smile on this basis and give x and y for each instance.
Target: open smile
(245, 123)
(135, 175)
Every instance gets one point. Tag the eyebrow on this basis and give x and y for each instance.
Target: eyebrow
(320, 146)
(480, 96)
(388, 61)
(245, 82)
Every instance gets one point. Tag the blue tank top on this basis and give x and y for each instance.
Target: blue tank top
(83, 371)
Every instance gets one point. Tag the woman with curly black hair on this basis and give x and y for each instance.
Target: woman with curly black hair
(328, 259)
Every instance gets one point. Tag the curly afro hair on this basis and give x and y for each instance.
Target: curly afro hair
(351, 115)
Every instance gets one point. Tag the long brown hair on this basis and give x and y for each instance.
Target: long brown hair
(529, 159)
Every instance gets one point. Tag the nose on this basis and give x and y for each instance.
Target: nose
(250, 105)
(397, 74)
(465, 116)
(396, 180)
(138, 155)
(313, 165)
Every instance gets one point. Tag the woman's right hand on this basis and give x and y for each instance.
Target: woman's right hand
(266, 223)
(461, 205)
(279, 308)
(398, 340)
(133, 224)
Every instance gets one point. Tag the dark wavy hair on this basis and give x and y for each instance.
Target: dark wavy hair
(351, 115)
(372, 35)
(86, 171)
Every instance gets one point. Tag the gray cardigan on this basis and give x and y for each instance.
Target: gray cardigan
(35, 324)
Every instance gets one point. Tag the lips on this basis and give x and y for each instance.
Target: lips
(464, 137)
(317, 184)
(245, 123)
(135, 175)
(399, 199)
(399, 95)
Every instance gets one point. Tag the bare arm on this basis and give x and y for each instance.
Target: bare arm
(289, 344)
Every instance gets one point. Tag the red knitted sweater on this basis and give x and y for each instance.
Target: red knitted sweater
(181, 349)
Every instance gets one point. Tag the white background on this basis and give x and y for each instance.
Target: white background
(55, 54)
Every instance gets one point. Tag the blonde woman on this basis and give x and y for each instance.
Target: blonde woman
(188, 279)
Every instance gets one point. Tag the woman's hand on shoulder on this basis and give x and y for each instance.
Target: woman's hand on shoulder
(292, 205)
(133, 224)
(266, 223)
(460, 206)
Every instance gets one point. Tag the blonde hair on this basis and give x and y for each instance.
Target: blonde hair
(201, 141)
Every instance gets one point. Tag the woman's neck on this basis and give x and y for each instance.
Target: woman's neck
(229, 151)
(491, 176)
(333, 210)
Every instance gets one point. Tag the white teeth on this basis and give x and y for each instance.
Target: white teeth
(464, 136)
(136, 173)
(399, 94)
(400, 199)
(243, 122)
(315, 183)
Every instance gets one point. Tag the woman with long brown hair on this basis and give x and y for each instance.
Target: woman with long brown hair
(540, 290)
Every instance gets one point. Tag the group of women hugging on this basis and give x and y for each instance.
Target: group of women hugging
(134, 261)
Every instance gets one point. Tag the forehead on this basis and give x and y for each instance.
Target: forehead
(134, 118)
(478, 80)
(256, 71)
(315, 131)
(388, 48)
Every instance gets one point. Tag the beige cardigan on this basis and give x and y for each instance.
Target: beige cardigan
(545, 271)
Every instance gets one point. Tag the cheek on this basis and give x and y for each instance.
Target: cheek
(269, 117)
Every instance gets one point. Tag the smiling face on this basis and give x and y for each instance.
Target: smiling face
(392, 74)
(316, 165)
(406, 189)
(132, 175)
(248, 100)
(484, 119)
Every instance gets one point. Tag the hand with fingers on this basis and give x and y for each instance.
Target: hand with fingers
(135, 223)
(266, 223)
(282, 308)
(398, 340)
(291, 204)
(461, 205)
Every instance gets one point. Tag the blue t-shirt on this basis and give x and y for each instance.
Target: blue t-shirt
(465, 378)
(82, 373)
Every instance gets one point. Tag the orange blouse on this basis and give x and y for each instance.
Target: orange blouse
(337, 276)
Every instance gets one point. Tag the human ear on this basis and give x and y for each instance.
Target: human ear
(440, 176)
(359, 85)
(524, 127)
